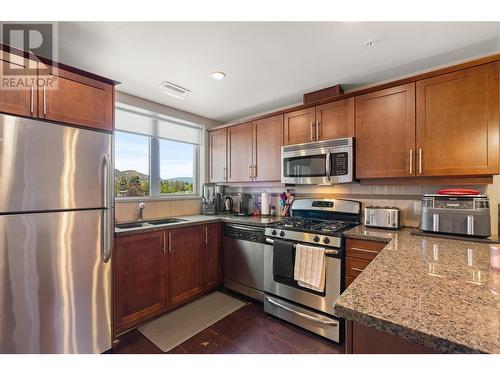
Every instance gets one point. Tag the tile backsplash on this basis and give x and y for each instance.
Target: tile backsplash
(405, 197)
(127, 211)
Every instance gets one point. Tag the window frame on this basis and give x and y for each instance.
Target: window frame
(154, 162)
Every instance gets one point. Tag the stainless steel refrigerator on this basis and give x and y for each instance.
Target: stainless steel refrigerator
(56, 233)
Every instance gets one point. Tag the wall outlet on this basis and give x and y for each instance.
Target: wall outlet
(417, 207)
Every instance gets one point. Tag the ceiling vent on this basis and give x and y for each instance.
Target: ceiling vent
(174, 90)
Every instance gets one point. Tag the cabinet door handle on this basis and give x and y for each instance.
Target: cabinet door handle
(250, 172)
(169, 242)
(225, 173)
(312, 130)
(32, 98)
(164, 243)
(419, 161)
(254, 172)
(357, 269)
(364, 250)
(317, 130)
(206, 235)
(411, 161)
(44, 100)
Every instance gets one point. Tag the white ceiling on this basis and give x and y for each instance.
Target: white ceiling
(268, 65)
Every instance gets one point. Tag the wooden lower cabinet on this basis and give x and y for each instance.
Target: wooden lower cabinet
(212, 255)
(139, 279)
(184, 264)
(360, 339)
(358, 254)
(158, 271)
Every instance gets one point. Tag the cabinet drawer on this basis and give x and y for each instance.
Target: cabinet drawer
(363, 249)
(354, 266)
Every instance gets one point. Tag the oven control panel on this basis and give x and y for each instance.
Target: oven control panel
(311, 238)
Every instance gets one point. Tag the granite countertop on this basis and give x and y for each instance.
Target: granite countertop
(436, 292)
(200, 219)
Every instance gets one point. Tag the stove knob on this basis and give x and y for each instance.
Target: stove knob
(274, 232)
(326, 240)
(282, 234)
(316, 239)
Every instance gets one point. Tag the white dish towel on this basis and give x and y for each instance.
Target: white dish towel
(309, 270)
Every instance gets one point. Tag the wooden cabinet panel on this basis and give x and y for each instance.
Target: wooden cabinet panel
(354, 266)
(268, 139)
(217, 155)
(239, 153)
(298, 126)
(366, 340)
(363, 249)
(335, 120)
(212, 258)
(458, 124)
(184, 264)
(385, 132)
(139, 278)
(18, 100)
(77, 100)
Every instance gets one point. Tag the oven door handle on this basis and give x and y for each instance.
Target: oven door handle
(327, 251)
(248, 229)
(302, 315)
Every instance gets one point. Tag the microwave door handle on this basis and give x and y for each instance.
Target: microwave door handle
(328, 165)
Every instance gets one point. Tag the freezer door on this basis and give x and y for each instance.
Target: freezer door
(45, 166)
(55, 283)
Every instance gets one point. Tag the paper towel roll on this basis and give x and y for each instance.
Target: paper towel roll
(264, 203)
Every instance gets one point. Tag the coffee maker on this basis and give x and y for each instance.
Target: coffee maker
(208, 204)
(245, 204)
(219, 199)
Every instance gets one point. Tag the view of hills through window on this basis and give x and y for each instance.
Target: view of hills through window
(132, 163)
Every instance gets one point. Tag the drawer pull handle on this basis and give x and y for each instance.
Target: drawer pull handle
(357, 269)
(364, 250)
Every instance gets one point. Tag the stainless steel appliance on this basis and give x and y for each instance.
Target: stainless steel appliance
(228, 205)
(382, 217)
(315, 222)
(208, 201)
(245, 205)
(325, 162)
(464, 215)
(56, 233)
(219, 195)
(244, 259)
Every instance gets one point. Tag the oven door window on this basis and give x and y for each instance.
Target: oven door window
(305, 166)
(340, 165)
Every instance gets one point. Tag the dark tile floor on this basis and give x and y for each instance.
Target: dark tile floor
(248, 330)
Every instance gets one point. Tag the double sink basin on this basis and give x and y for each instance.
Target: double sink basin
(146, 224)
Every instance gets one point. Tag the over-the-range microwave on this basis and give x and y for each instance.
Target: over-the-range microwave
(324, 162)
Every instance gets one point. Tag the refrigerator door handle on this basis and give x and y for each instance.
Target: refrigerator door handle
(107, 217)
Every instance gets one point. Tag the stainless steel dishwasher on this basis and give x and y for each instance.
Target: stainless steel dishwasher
(244, 259)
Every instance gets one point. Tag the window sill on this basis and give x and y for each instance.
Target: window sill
(155, 199)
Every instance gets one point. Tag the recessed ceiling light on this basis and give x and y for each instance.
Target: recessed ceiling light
(218, 75)
(174, 90)
(370, 43)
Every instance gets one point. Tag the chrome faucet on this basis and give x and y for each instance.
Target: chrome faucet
(140, 210)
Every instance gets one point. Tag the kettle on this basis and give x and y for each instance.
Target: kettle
(228, 205)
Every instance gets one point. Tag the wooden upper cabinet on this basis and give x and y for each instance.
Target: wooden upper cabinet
(239, 153)
(211, 258)
(385, 133)
(335, 120)
(217, 155)
(77, 100)
(139, 278)
(268, 139)
(17, 100)
(299, 126)
(184, 264)
(458, 122)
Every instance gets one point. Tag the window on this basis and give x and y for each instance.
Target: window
(154, 155)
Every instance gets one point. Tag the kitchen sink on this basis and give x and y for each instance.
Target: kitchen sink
(164, 221)
(132, 225)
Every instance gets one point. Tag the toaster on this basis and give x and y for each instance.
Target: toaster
(382, 217)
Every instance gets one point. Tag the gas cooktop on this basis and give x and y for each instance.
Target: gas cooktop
(302, 224)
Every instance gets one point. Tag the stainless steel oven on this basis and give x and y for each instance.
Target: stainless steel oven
(325, 162)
